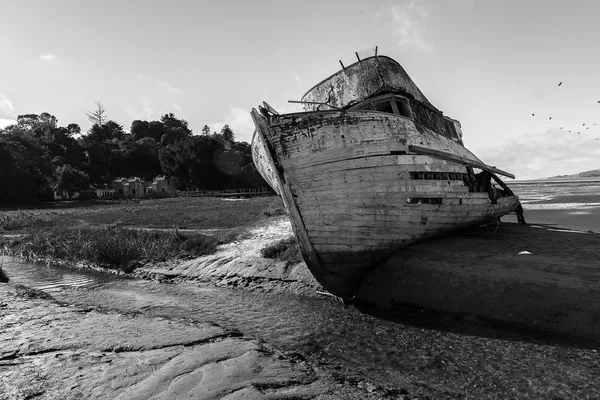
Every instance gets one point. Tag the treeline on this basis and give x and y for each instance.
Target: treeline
(38, 156)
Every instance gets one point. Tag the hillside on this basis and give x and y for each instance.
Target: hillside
(595, 173)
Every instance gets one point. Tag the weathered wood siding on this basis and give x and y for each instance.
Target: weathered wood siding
(263, 163)
(349, 177)
(360, 81)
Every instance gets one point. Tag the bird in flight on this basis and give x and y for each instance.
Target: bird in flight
(533, 115)
(561, 127)
(550, 117)
(560, 84)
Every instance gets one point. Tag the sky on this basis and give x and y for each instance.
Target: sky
(489, 64)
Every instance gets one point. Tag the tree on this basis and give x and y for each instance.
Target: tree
(139, 129)
(71, 180)
(102, 143)
(98, 116)
(175, 129)
(109, 132)
(28, 121)
(136, 158)
(205, 131)
(170, 122)
(74, 129)
(25, 167)
(191, 162)
(227, 134)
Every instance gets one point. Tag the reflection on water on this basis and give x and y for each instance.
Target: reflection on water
(51, 278)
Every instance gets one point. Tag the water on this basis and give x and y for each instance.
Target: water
(568, 204)
(51, 278)
(535, 193)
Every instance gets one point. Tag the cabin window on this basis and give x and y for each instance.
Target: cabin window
(450, 129)
(388, 104)
(384, 106)
(424, 200)
(367, 107)
(402, 108)
(439, 176)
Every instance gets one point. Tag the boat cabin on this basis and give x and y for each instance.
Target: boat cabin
(396, 104)
(379, 84)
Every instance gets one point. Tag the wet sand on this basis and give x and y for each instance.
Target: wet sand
(52, 350)
(526, 275)
(562, 218)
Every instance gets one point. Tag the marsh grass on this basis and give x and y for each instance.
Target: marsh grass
(286, 249)
(115, 248)
(183, 212)
(17, 220)
(274, 210)
(124, 235)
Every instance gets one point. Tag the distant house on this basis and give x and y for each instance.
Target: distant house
(119, 186)
(163, 184)
(131, 187)
(60, 195)
(104, 191)
(90, 193)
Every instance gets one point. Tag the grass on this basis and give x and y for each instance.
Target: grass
(120, 235)
(13, 221)
(183, 212)
(285, 250)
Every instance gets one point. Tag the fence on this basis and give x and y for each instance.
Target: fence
(250, 192)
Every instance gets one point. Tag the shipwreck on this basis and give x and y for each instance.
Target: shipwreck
(370, 166)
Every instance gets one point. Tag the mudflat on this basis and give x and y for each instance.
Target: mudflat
(530, 275)
(58, 351)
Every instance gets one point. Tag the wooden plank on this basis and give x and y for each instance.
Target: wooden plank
(459, 159)
(312, 259)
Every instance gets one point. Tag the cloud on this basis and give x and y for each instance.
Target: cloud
(239, 121)
(546, 154)
(6, 122)
(6, 106)
(168, 87)
(48, 57)
(152, 110)
(409, 20)
(142, 78)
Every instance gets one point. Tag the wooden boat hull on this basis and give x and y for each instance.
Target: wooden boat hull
(360, 185)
